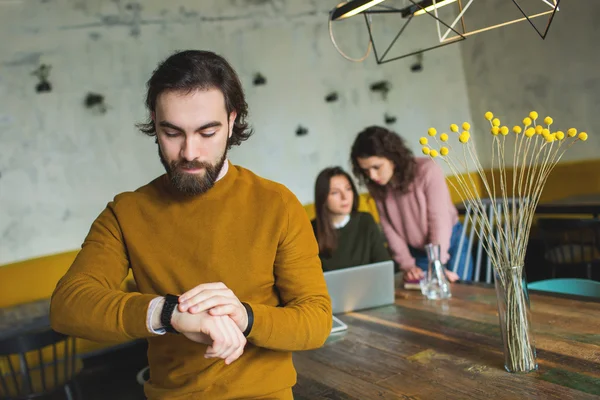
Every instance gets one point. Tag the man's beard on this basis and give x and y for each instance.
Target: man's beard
(188, 183)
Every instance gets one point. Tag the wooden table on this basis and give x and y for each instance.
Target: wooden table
(420, 349)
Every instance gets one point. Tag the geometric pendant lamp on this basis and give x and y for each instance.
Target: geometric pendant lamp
(396, 29)
(424, 25)
(471, 17)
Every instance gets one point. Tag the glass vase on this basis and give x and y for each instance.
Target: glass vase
(515, 320)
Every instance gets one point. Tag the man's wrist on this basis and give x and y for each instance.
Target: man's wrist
(166, 316)
(175, 319)
(250, 319)
(155, 317)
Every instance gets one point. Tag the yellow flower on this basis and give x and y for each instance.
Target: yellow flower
(548, 120)
(504, 131)
(539, 129)
(495, 122)
(433, 153)
(423, 140)
(431, 132)
(454, 128)
(549, 138)
(533, 115)
(444, 151)
(583, 136)
(464, 137)
(517, 129)
(560, 135)
(527, 122)
(466, 126)
(444, 137)
(572, 132)
(529, 132)
(426, 151)
(546, 134)
(488, 115)
(495, 130)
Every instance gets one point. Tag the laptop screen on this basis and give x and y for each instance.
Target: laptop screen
(361, 287)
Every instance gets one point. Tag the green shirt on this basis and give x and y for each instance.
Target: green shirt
(360, 242)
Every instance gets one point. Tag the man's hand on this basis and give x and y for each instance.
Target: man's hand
(414, 274)
(222, 335)
(217, 299)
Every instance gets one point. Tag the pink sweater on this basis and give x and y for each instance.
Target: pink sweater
(424, 215)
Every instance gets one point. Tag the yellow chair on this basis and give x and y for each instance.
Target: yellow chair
(38, 364)
(39, 276)
(366, 203)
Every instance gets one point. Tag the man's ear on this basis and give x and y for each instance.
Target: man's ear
(153, 116)
(232, 117)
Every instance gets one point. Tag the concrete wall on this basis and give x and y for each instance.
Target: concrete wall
(512, 71)
(60, 163)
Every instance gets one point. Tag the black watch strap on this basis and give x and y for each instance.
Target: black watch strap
(250, 318)
(171, 301)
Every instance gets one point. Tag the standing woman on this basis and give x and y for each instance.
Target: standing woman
(346, 236)
(413, 201)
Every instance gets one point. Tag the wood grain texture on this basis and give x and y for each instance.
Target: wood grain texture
(421, 349)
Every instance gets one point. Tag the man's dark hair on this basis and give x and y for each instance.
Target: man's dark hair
(199, 70)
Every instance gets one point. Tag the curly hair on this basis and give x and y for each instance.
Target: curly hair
(376, 141)
(199, 70)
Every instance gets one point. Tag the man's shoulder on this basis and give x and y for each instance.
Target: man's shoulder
(263, 186)
(148, 192)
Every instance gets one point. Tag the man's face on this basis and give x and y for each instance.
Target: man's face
(192, 130)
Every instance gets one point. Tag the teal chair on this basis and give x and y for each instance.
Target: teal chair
(580, 287)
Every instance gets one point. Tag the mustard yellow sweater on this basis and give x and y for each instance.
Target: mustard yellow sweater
(248, 232)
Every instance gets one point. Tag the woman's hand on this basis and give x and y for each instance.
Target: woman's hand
(452, 276)
(414, 274)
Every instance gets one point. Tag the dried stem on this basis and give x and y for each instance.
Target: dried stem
(504, 223)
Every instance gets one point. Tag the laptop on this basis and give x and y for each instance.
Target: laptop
(359, 288)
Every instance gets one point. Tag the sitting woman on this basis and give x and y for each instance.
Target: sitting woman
(346, 237)
(413, 201)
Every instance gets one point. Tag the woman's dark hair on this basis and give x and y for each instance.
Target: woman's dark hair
(381, 142)
(199, 70)
(326, 233)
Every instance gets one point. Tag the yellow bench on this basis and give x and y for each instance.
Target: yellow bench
(35, 279)
(366, 204)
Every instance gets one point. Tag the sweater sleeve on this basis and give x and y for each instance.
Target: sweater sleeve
(377, 248)
(87, 302)
(303, 321)
(396, 244)
(439, 219)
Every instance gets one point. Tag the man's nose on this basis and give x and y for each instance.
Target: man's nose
(190, 149)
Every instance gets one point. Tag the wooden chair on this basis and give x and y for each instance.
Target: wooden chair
(38, 363)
